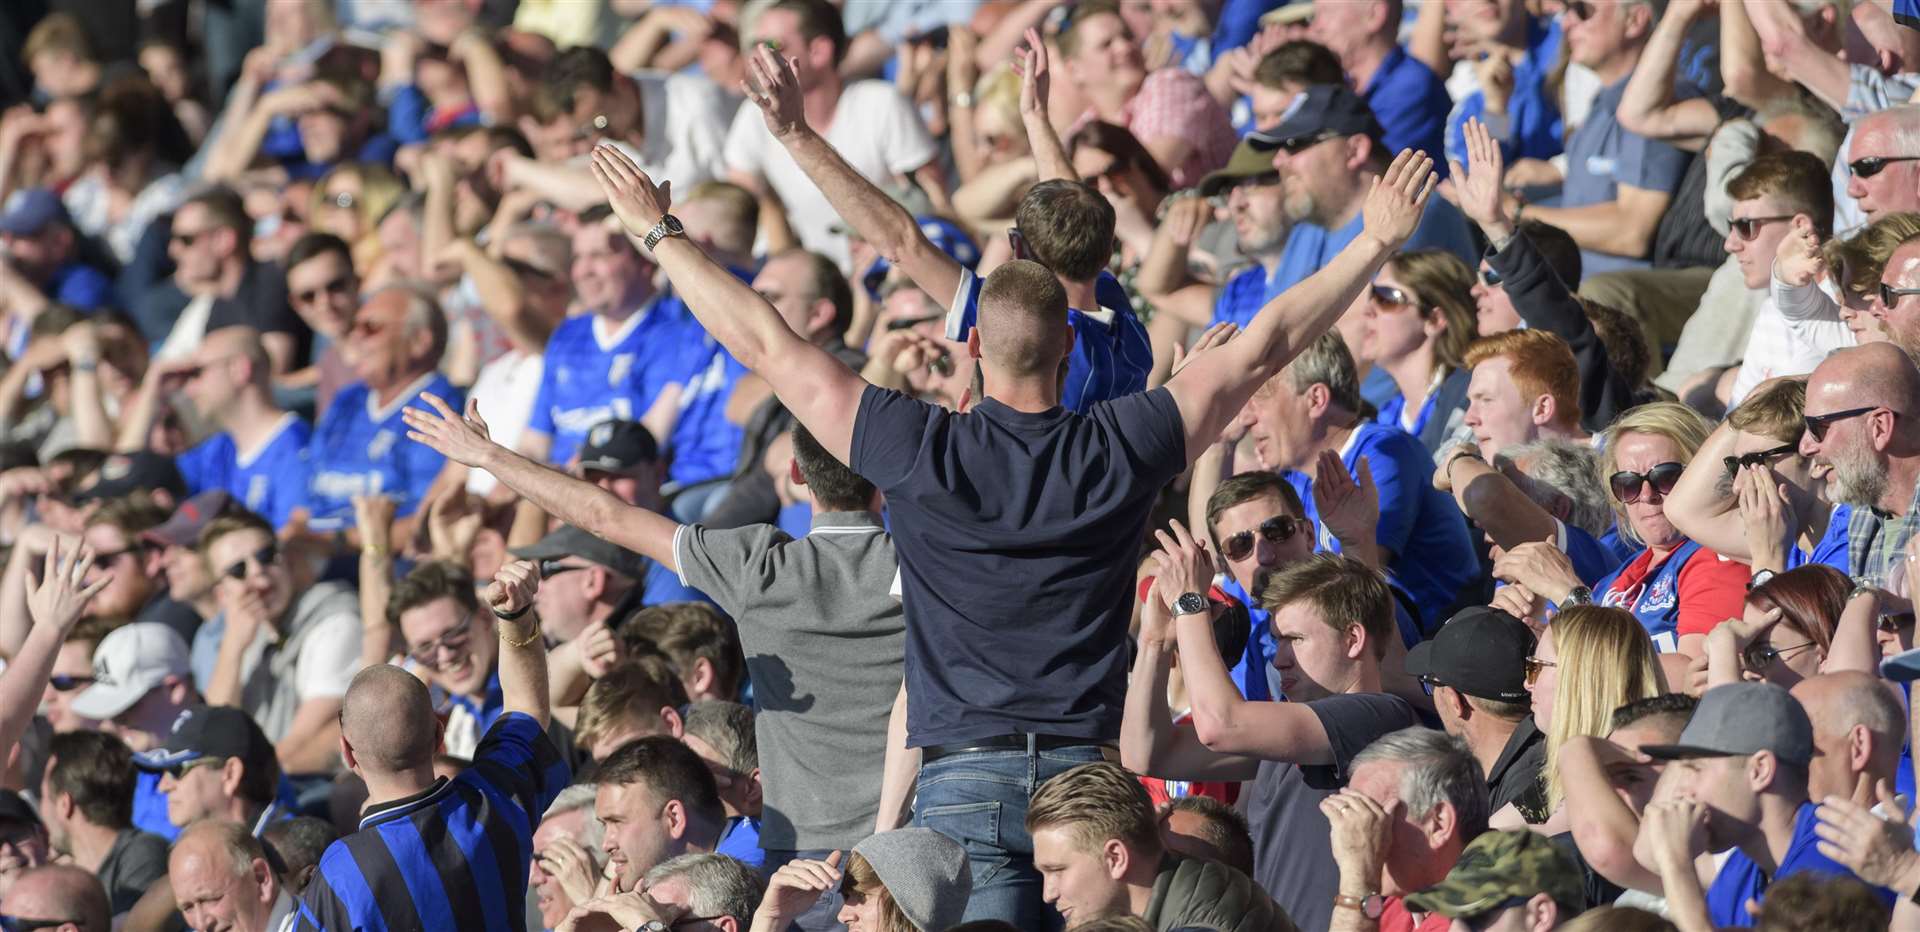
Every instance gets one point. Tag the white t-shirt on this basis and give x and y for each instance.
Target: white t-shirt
(875, 128)
(505, 388)
(685, 118)
(1793, 332)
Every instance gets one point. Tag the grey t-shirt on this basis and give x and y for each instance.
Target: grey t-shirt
(135, 861)
(1292, 843)
(824, 641)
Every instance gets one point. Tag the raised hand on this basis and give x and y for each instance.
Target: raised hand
(1185, 565)
(62, 596)
(572, 867)
(373, 515)
(1677, 829)
(513, 587)
(1216, 335)
(798, 885)
(1362, 834)
(1798, 261)
(600, 650)
(773, 84)
(461, 438)
(1878, 849)
(1479, 189)
(1186, 217)
(1348, 503)
(1495, 73)
(1398, 198)
(1031, 65)
(1763, 510)
(453, 524)
(635, 199)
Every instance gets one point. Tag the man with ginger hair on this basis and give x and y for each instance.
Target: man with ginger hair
(475, 831)
(1525, 387)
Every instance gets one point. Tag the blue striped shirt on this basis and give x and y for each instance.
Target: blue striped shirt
(1111, 352)
(453, 857)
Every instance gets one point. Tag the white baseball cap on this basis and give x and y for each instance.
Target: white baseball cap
(129, 663)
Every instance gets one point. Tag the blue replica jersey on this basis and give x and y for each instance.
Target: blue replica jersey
(1740, 880)
(1111, 352)
(1245, 294)
(1831, 548)
(359, 449)
(591, 377)
(705, 445)
(271, 483)
(1907, 13)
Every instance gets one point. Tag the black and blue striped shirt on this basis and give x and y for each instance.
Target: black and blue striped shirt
(453, 857)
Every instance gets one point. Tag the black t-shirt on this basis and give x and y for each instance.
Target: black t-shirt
(1292, 842)
(1018, 535)
(260, 302)
(1515, 775)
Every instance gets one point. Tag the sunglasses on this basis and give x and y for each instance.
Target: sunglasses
(1817, 424)
(1491, 277)
(1533, 667)
(453, 642)
(18, 924)
(1428, 683)
(341, 285)
(1627, 484)
(1749, 227)
(1580, 9)
(185, 767)
(1890, 296)
(259, 559)
(1761, 656)
(552, 568)
(1758, 458)
(1275, 530)
(102, 559)
(62, 683)
(1391, 296)
(1874, 164)
(1303, 143)
(186, 240)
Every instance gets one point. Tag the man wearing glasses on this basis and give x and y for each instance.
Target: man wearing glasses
(56, 897)
(1475, 670)
(448, 646)
(1861, 428)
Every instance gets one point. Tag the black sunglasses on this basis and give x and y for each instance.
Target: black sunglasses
(19, 924)
(1757, 458)
(1817, 424)
(1301, 144)
(1580, 9)
(1627, 484)
(1872, 165)
(62, 683)
(262, 558)
(1749, 227)
(1393, 297)
(1278, 529)
(1761, 656)
(340, 285)
(1491, 277)
(1890, 296)
(552, 568)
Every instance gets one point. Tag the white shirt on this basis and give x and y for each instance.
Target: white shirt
(1794, 330)
(505, 389)
(684, 120)
(875, 128)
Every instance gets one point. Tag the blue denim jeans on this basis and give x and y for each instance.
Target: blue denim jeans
(822, 916)
(979, 799)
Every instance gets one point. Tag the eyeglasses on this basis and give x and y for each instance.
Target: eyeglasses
(1627, 484)
(1491, 277)
(1872, 165)
(1391, 296)
(1533, 667)
(1890, 296)
(525, 269)
(1275, 530)
(62, 683)
(18, 924)
(1428, 683)
(185, 767)
(1761, 656)
(259, 559)
(1757, 458)
(453, 641)
(1580, 9)
(1749, 227)
(1817, 424)
(1301, 144)
(552, 568)
(341, 285)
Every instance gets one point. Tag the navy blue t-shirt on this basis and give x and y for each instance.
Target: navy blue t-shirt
(1018, 535)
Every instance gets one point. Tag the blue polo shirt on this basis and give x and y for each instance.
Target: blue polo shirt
(1111, 352)
(594, 375)
(1411, 103)
(1432, 551)
(271, 482)
(1532, 127)
(361, 449)
(1602, 155)
(1309, 248)
(1741, 880)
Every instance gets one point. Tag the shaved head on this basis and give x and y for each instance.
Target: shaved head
(59, 891)
(1881, 374)
(1023, 320)
(238, 341)
(387, 718)
(1858, 729)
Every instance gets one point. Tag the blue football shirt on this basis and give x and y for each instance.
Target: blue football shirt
(361, 449)
(271, 481)
(1111, 352)
(594, 374)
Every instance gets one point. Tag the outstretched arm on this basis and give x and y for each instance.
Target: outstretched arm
(1209, 396)
(876, 217)
(817, 387)
(56, 605)
(1048, 153)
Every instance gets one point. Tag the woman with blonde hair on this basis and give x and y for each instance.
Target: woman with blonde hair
(349, 202)
(1589, 662)
(1678, 589)
(906, 880)
(1419, 320)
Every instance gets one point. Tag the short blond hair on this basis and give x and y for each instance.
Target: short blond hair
(1672, 420)
(1342, 589)
(1096, 802)
(1775, 410)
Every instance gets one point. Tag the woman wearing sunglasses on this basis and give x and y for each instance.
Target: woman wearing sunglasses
(1419, 320)
(1786, 632)
(1590, 661)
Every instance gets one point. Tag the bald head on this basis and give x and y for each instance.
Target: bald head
(225, 845)
(1023, 320)
(1870, 374)
(387, 718)
(238, 342)
(59, 891)
(1836, 702)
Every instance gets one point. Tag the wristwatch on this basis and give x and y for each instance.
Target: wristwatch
(1370, 906)
(1760, 578)
(669, 225)
(653, 925)
(1189, 603)
(1579, 595)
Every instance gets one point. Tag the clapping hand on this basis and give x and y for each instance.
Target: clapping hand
(1398, 198)
(798, 885)
(773, 84)
(1348, 503)
(62, 596)
(461, 438)
(1185, 564)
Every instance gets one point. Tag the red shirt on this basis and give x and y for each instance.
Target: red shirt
(1396, 918)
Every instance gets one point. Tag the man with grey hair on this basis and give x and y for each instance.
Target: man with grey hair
(1539, 494)
(360, 446)
(722, 734)
(1863, 424)
(222, 880)
(707, 887)
(1882, 177)
(1308, 416)
(1416, 798)
(567, 857)
(1859, 728)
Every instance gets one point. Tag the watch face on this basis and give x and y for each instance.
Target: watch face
(1372, 907)
(1190, 604)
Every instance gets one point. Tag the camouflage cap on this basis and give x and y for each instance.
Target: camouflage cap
(1502, 866)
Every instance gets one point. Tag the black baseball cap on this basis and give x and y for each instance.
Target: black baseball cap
(570, 541)
(618, 447)
(1319, 110)
(1481, 652)
(14, 810)
(127, 473)
(212, 731)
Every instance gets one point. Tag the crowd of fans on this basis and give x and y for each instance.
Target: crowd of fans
(927, 465)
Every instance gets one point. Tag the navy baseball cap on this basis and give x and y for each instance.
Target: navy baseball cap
(1320, 110)
(127, 473)
(29, 210)
(211, 731)
(618, 446)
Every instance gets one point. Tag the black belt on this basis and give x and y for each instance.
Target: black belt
(1007, 743)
